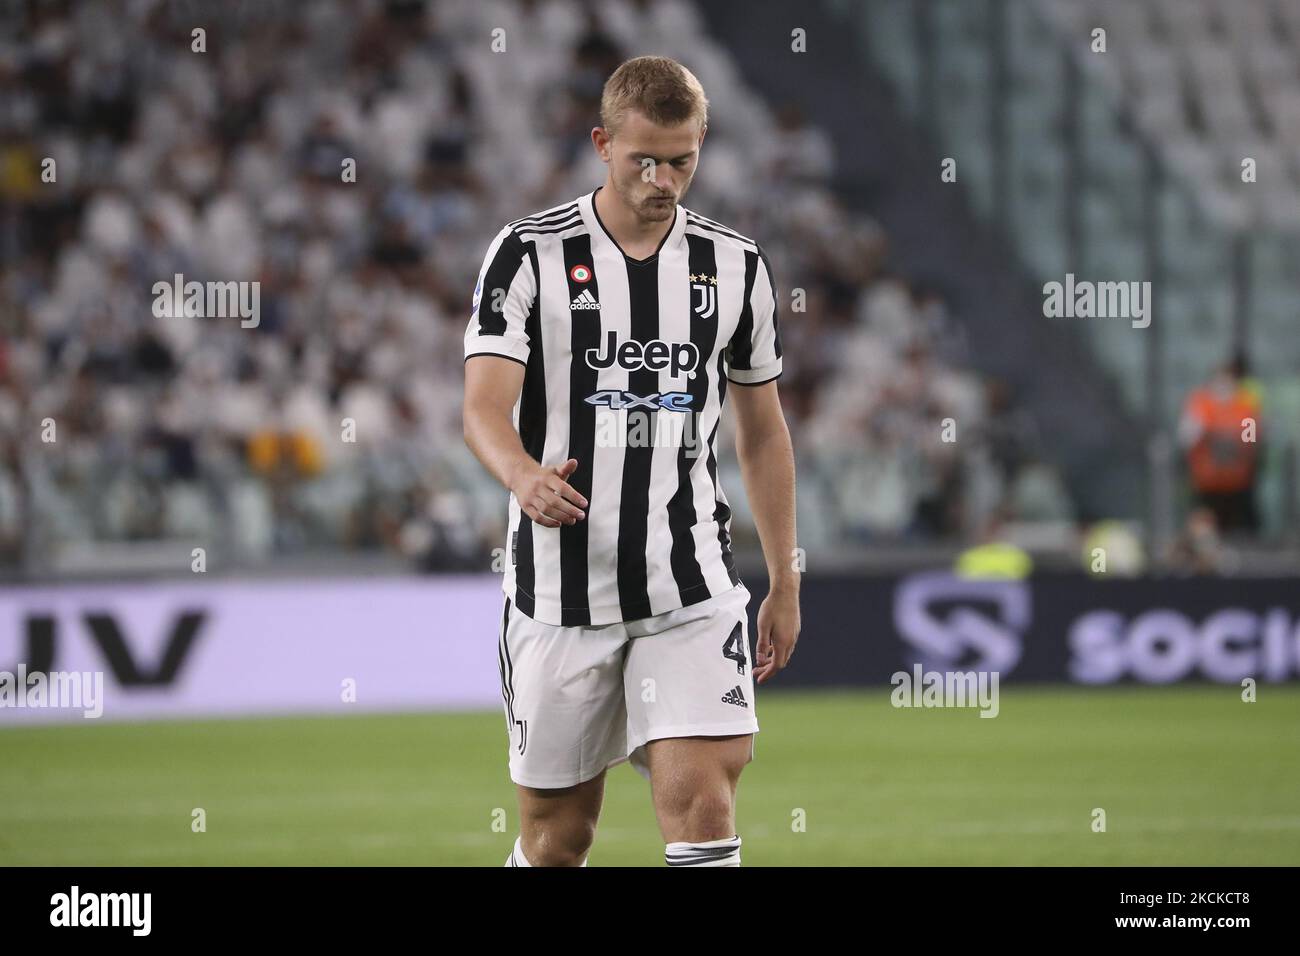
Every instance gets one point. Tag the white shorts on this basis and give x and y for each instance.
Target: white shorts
(581, 699)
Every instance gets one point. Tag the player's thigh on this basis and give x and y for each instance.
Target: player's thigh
(693, 761)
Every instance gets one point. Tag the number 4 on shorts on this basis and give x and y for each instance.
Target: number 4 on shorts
(733, 648)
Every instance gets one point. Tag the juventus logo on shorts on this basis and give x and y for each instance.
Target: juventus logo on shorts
(707, 287)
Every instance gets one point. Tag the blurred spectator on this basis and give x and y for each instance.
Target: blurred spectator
(996, 556)
(1220, 433)
(1198, 549)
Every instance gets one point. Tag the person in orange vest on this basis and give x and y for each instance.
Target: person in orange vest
(1220, 434)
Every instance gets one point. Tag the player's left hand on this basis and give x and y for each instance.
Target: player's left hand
(778, 631)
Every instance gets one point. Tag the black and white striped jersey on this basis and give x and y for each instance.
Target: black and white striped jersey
(626, 369)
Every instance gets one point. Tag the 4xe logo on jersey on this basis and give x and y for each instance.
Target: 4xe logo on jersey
(678, 358)
(621, 398)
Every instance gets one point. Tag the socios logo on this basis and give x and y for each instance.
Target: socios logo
(1164, 644)
(962, 623)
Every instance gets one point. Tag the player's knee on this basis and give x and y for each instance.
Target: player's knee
(559, 843)
(712, 816)
(701, 813)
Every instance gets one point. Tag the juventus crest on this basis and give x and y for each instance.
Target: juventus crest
(704, 295)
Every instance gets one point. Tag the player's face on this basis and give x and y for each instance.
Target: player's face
(651, 166)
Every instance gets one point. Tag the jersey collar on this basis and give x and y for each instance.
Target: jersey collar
(600, 235)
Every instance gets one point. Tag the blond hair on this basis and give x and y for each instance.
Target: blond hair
(659, 87)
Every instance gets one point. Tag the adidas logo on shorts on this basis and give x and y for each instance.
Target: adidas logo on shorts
(584, 300)
(735, 696)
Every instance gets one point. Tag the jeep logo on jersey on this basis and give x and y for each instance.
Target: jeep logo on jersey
(707, 288)
(656, 355)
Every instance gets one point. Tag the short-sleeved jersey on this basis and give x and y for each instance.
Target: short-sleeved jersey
(626, 364)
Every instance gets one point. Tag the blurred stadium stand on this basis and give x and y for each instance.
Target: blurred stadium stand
(1128, 164)
(181, 432)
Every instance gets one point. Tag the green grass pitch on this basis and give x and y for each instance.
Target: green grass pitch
(1186, 775)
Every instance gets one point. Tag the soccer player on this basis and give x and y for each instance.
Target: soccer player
(604, 338)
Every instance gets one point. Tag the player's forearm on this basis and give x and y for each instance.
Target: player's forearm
(767, 467)
(492, 437)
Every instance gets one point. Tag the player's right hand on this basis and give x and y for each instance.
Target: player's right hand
(546, 497)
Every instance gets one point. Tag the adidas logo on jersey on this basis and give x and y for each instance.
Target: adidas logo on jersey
(584, 300)
(735, 696)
